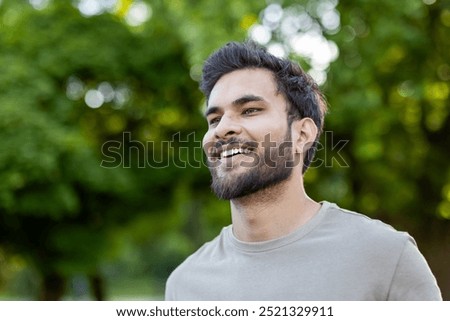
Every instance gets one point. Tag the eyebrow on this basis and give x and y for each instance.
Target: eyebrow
(237, 102)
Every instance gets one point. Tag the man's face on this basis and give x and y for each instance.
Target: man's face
(248, 138)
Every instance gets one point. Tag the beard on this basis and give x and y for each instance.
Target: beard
(273, 166)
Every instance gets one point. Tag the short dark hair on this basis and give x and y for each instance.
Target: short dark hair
(299, 89)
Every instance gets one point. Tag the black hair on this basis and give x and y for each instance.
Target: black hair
(299, 89)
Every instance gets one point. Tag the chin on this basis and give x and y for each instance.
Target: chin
(248, 183)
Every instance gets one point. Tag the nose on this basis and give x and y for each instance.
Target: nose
(227, 127)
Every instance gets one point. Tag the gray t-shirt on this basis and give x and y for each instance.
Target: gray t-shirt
(337, 255)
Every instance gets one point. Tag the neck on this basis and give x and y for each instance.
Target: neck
(273, 212)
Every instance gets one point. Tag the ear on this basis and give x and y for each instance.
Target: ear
(304, 132)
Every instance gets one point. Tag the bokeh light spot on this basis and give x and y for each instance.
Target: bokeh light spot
(107, 91)
(260, 34)
(94, 98)
(138, 13)
(444, 210)
(75, 88)
(38, 4)
(277, 50)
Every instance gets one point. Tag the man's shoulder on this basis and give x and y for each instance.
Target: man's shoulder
(362, 227)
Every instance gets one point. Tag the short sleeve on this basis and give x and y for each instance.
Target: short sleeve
(413, 279)
(169, 294)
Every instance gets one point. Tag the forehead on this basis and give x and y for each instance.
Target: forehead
(238, 83)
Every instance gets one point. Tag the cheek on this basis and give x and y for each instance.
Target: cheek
(207, 142)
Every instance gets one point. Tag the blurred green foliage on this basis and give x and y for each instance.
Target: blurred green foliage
(79, 90)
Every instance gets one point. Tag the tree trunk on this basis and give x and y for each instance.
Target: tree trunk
(97, 287)
(53, 287)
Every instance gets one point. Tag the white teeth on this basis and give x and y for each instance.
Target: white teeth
(233, 151)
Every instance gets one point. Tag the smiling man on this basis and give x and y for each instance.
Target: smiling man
(265, 116)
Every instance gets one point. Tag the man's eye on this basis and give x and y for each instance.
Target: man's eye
(214, 120)
(249, 111)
